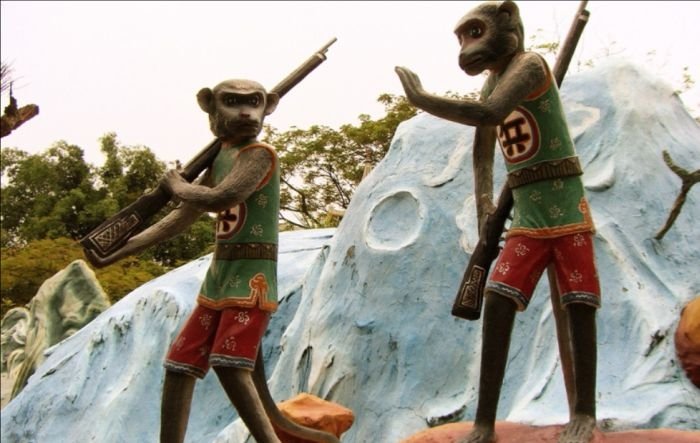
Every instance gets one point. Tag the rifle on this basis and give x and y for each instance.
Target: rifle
(470, 295)
(112, 234)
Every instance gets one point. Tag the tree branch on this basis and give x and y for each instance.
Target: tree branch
(688, 179)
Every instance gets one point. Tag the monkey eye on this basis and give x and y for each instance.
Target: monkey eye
(254, 100)
(231, 100)
(475, 31)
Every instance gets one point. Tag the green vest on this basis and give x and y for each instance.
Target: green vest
(243, 272)
(543, 169)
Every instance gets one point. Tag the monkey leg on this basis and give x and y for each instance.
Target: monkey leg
(499, 313)
(583, 343)
(240, 389)
(175, 406)
(276, 416)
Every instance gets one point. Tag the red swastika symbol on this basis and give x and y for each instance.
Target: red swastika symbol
(230, 221)
(519, 136)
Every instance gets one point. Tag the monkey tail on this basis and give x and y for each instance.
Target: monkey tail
(277, 418)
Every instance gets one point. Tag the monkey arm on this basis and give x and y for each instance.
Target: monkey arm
(169, 226)
(483, 155)
(524, 75)
(250, 170)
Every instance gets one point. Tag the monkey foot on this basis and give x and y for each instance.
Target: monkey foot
(578, 430)
(480, 434)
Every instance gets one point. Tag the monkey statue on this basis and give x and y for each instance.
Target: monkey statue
(239, 292)
(520, 107)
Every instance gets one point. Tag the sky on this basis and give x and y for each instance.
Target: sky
(134, 68)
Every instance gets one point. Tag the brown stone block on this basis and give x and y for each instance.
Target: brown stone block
(313, 412)
(688, 341)
(507, 432)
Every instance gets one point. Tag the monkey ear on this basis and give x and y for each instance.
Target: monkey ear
(509, 7)
(205, 99)
(271, 103)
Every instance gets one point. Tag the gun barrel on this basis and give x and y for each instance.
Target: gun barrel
(327, 45)
(112, 234)
(302, 71)
(567, 50)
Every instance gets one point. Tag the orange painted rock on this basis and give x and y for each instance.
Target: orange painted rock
(688, 341)
(313, 412)
(507, 432)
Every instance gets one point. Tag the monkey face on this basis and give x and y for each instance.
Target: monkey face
(475, 55)
(237, 114)
(237, 108)
(489, 36)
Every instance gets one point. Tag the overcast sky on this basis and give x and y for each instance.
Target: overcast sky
(134, 67)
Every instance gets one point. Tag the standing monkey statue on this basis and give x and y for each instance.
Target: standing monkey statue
(239, 291)
(552, 225)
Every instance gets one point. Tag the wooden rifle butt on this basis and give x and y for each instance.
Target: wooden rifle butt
(470, 296)
(111, 235)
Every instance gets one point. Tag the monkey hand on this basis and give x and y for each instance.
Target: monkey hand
(486, 205)
(485, 210)
(172, 180)
(411, 84)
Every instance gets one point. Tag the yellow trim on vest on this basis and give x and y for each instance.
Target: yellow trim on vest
(248, 302)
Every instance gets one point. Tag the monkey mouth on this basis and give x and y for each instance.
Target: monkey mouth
(246, 126)
(474, 64)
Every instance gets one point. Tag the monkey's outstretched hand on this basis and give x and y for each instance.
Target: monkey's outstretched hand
(411, 85)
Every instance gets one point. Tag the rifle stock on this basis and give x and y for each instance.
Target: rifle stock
(470, 295)
(113, 233)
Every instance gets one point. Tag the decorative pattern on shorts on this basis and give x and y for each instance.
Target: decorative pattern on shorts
(183, 368)
(231, 362)
(581, 297)
(508, 291)
(523, 260)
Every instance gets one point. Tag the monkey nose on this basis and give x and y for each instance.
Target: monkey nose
(463, 61)
(472, 65)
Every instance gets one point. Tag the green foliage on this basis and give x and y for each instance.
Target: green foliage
(687, 81)
(191, 244)
(47, 195)
(25, 268)
(52, 199)
(128, 171)
(538, 43)
(126, 275)
(321, 166)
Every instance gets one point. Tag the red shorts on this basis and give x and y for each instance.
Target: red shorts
(523, 260)
(229, 337)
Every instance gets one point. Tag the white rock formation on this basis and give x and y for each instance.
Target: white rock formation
(365, 320)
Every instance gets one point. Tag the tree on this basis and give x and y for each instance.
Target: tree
(25, 268)
(321, 166)
(128, 171)
(57, 194)
(126, 174)
(52, 199)
(44, 195)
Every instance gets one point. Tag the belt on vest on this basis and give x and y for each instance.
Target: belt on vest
(250, 251)
(565, 167)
